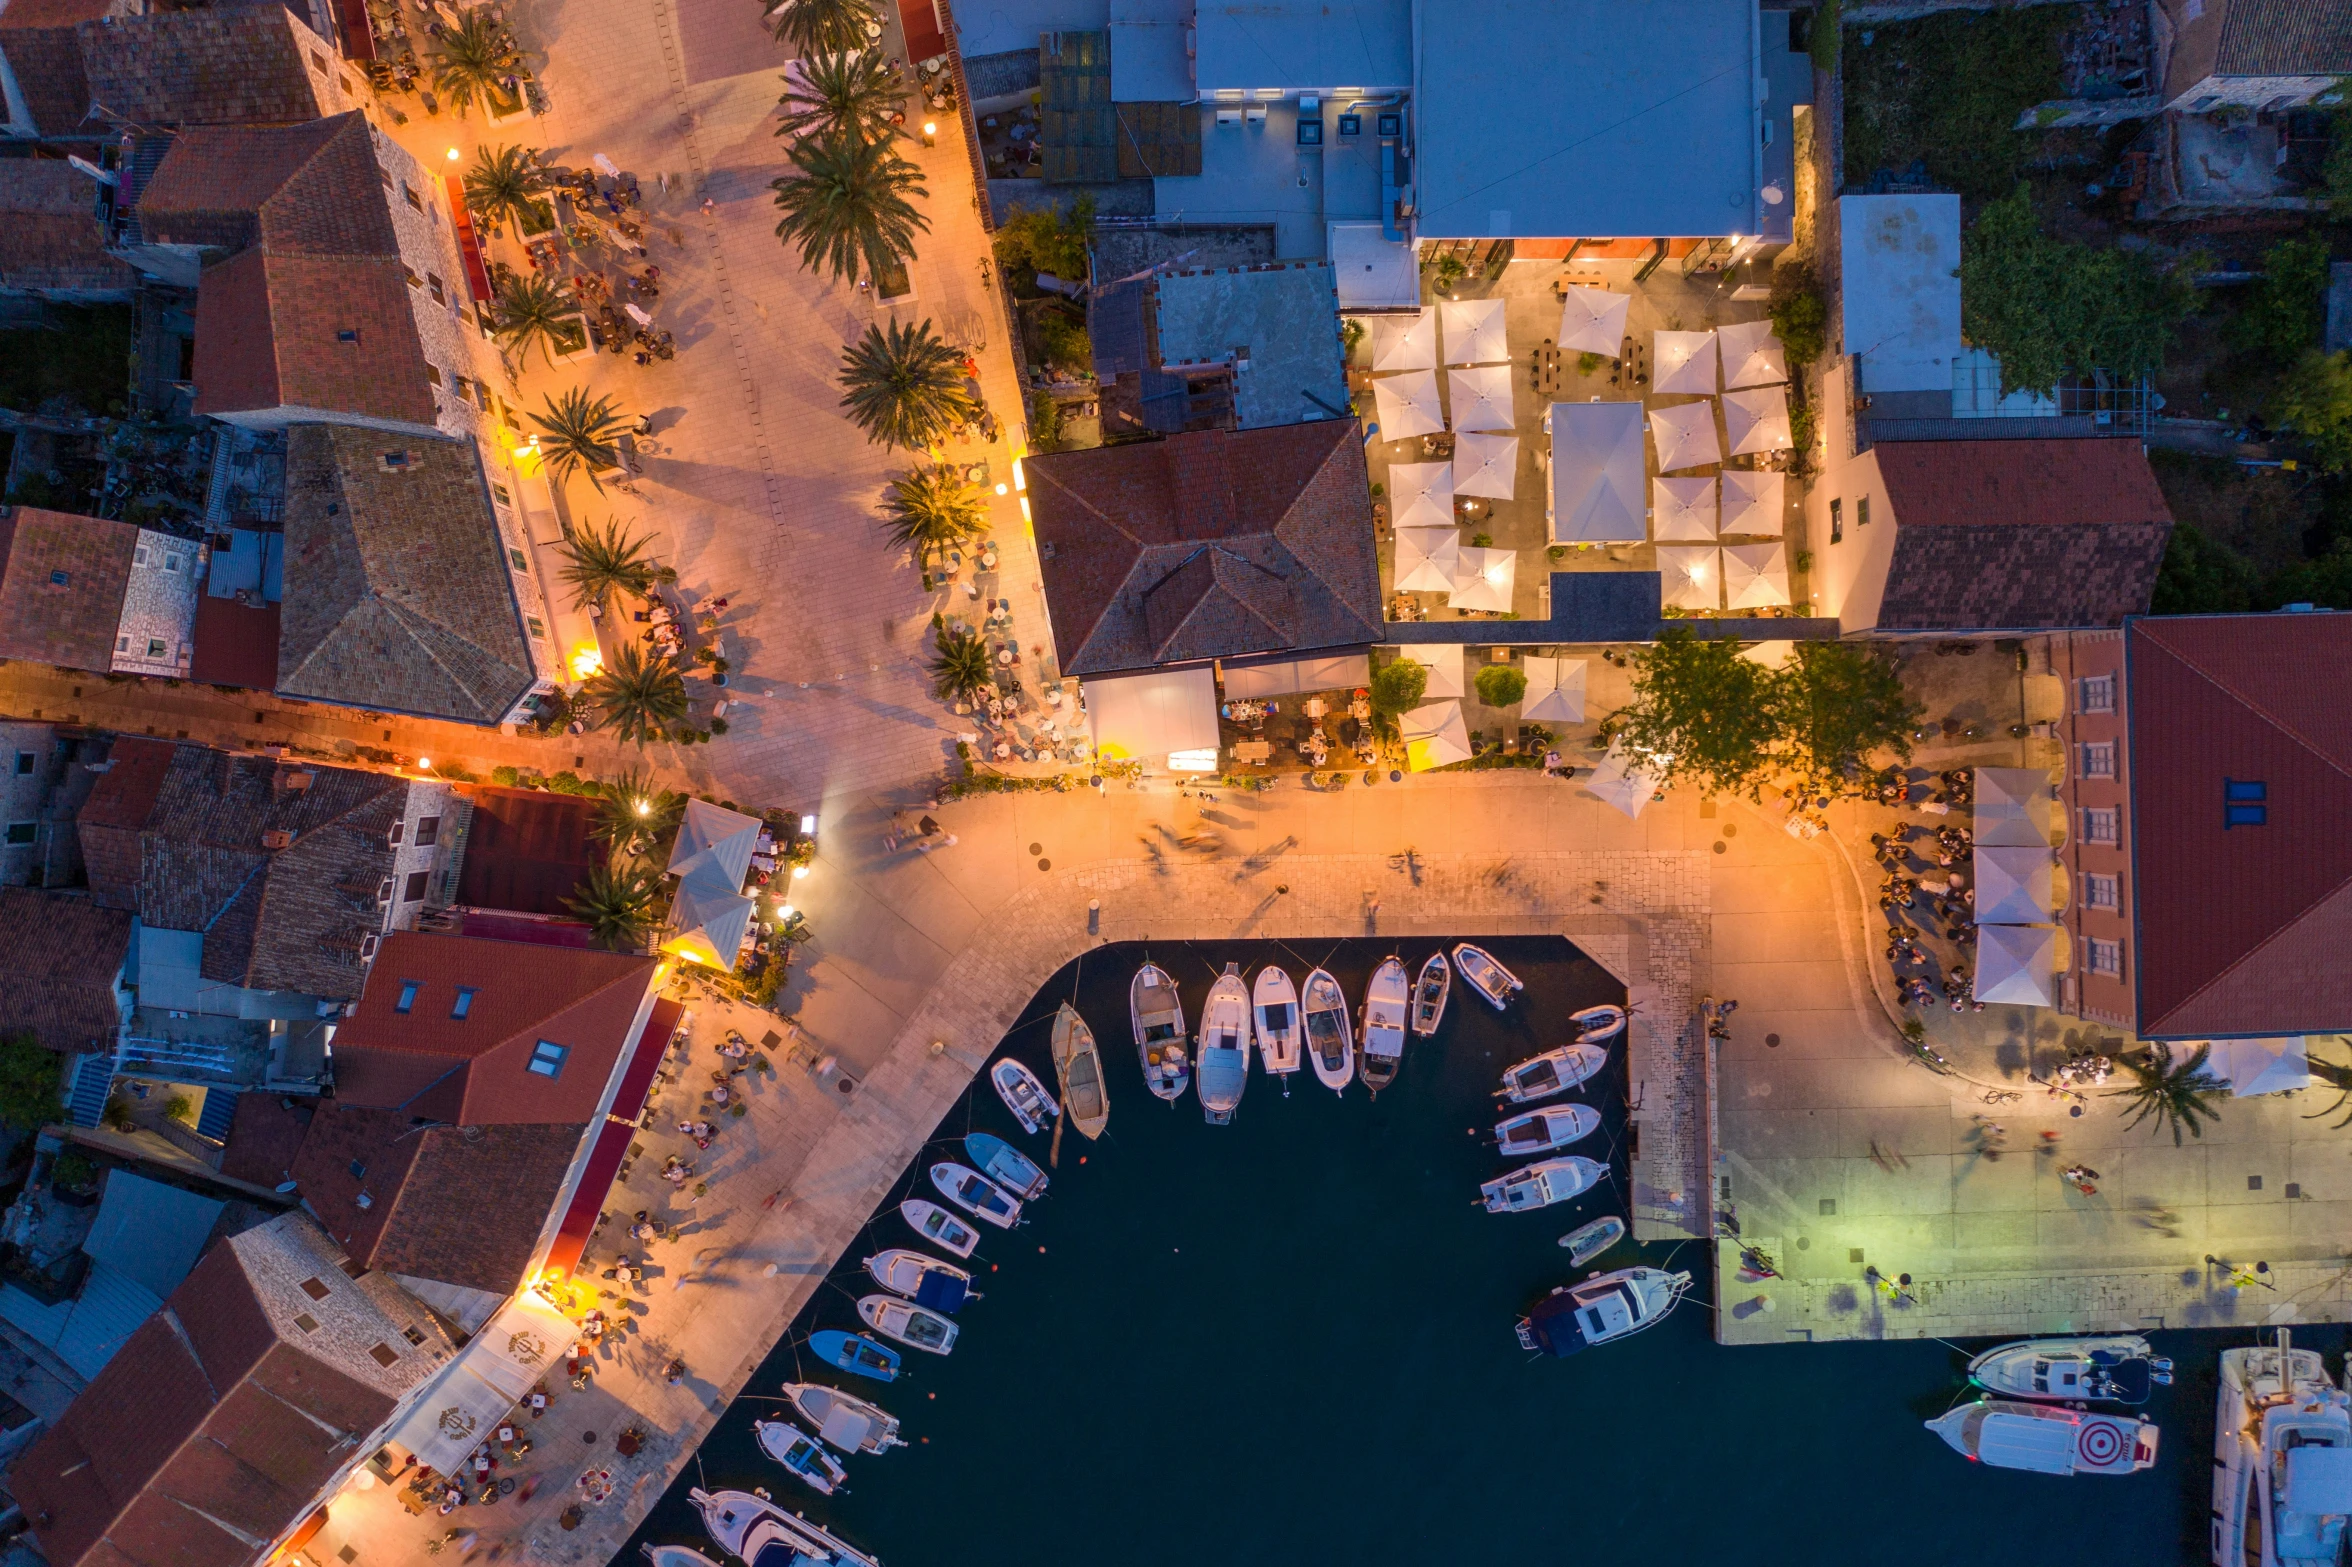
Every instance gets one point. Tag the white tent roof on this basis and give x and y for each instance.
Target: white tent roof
(708, 922)
(2013, 807)
(1434, 735)
(1624, 781)
(1755, 575)
(1774, 654)
(1689, 576)
(1407, 405)
(1280, 677)
(1555, 691)
(714, 844)
(1473, 331)
(1422, 493)
(1427, 560)
(521, 1344)
(1482, 397)
(1597, 469)
(1148, 717)
(1684, 509)
(2259, 1066)
(1443, 660)
(2015, 886)
(1751, 354)
(1757, 421)
(1754, 503)
(1486, 465)
(1685, 433)
(2017, 964)
(1369, 270)
(1684, 362)
(1592, 321)
(1405, 342)
(1483, 579)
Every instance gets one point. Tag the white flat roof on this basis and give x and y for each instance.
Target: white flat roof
(1004, 25)
(1900, 256)
(1297, 45)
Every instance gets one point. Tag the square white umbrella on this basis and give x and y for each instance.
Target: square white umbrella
(1682, 510)
(1751, 354)
(1482, 397)
(1689, 576)
(1684, 362)
(2014, 886)
(1473, 331)
(1407, 404)
(1434, 735)
(2017, 964)
(1486, 465)
(1483, 579)
(1625, 780)
(1405, 342)
(1754, 503)
(1423, 493)
(2257, 1066)
(1755, 575)
(1592, 321)
(1443, 660)
(2013, 807)
(1685, 435)
(1757, 421)
(1555, 691)
(1427, 560)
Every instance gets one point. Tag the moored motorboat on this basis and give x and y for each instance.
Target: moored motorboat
(1023, 1094)
(976, 1194)
(673, 1556)
(1387, 1001)
(1079, 1064)
(801, 1453)
(1157, 1012)
(1006, 1165)
(2110, 1368)
(1541, 1184)
(1553, 1072)
(1601, 1310)
(908, 1323)
(1274, 1008)
(941, 1228)
(1484, 974)
(2046, 1438)
(1588, 1241)
(1595, 1024)
(2282, 1459)
(1541, 1131)
(765, 1535)
(1224, 1047)
(1429, 994)
(856, 1354)
(1330, 1038)
(925, 1280)
(850, 1424)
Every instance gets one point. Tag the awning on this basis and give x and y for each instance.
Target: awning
(1443, 660)
(1408, 405)
(1757, 421)
(613, 1138)
(714, 841)
(1421, 494)
(1754, 503)
(1482, 397)
(2014, 886)
(1146, 717)
(1685, 433)
(1280, 677)
(2258, 1066)
(1592, 321)
(1689, 576)
(1371, 271)
(1597, 473)
(1624, 781)
(1486, 465)
(2017, 964)
(1555, 691)
(2013, 808)
(1473, 330)
(1683, 510)
(1751, 354)
(1683, 362)
(1434, 736)
(1427, 560)
(1405, 342)
(708, 922)
(1483, 579)
(1755, 576)
(527, 1339)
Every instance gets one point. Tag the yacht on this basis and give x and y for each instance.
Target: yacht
(801, 1453)
(1429, 994)
(1541, 1131)
(1478, 968)
(1157, 1013)
(1274, 1007)
(1553, 1072)
(850, 1424)
(1331, 1046)
(765, 1535)
(1386, 1000)
(2046, 1438)
(1224, 1047)
(2101, 1368)
(1601, 1310)
(2282, 1460)
(1079, 1065)
(1541, 1184)
(1023, 1094)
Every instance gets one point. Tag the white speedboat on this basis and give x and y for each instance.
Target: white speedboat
(1331, 1046)
(801, 1453)
(760, 1532)
(2046, 1438)
(908, 1323)
(1274, 1008)
(674, 1556)
(941, 1228)
(1601, 1310)
(1023, 1094)
(1595, 1024)
(942, 1286)
(1482, 973)
(1157, 1012)
(1386, 1002)
(2108, 1368)
(1541, 1184)
(2282, 1460)
(1429, 994)
(1224, 1047)
(1553, 1072)
(1079, 1065)
(850, 1424)
(1541, 1131)
(976, 1194)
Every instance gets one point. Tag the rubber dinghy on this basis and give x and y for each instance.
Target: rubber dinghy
(1224, 1047)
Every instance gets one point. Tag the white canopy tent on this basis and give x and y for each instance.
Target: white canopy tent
(1597, 467)
(2015, 886)
(2259, 1066)
(1483, 579)
(2017, 964)
(1434, 735)
(1427, 560)
(1755, 575)
(1683, 362)
(1757, 421)
(1625, 780)
(1422, 494)
(1685, 434)
(1405, 342)
(1150, 717)
(1592, 321)
(1751, 355)
(708, 922)
(1486, 465)
(2013, 808)
(1682, 510)
(1333, 672)
(1443, 660)
(714, 844)
(1473, 330)
(1689, 576)
(498, 1366)
(1772, 655)
(1407, 405)
(1482, 397)
(1555, 691)
(1754, 503)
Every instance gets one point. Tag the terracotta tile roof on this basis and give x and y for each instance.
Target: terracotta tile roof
(61, 586)
(50, 238)
(307, 190)
(20, 14)
(77, 948)
(398, 596)
(47, 65)
(2020, 483)
(527, 849)
(1208, 545)
(2241, 930)
(270, 333)
(236, 644)
(264, 1137)
(226, 65)
(2285, 38)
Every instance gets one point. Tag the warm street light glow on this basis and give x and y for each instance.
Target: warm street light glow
(1020, 480)
(784, 911)
(424, 764)
(798, 871)
(643, 809)
(1004, 489)
(930, 127)
(586, 661)
(808, 824)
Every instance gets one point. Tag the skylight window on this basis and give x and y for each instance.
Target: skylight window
(547, 1059)
(408, 995)
(2244, 803)
(464, 1003)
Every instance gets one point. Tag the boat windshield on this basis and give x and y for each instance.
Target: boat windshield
(1539, 1074)
(925, 1329)
(1277, 1017)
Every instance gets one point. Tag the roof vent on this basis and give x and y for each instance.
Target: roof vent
(294, 779)
(278, 838)
(363, 1202)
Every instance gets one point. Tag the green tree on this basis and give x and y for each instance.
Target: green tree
(634, 814)
(961, 670)
(2044, 305)
(32, 1082)
(2201, 576)
(2336, 173)
(1398, 687)
(477, 55)
(845, 205)
(1840, 704)
(850, 94)
(599, 562)
(823, 26)
(2286, 312)
(931, 509)
(905, 387)
(1046, 239)
(502, 184)
(1800, 318)
(2326, 581)
(530, 309)
(621, 905)
(582, 433)
(2172, 1094)
(2315, 401)
(1500, 685)
(1706, 715)
(636, 697)
(1825, 44)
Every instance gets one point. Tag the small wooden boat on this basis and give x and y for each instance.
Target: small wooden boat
(1541, 1184)
(856, 1354)
(1541, 1131)
(1483, 974)
(1386, 1003)
(941, 1228)
(976, 1194)
(1330, 1036)
(850, 1424)
(1006, 1165)
(1555, 1071)
(1595, 1024)
(1224, 1047)
(1157, 1013)
(908, 1323)
(1079, 1066)
(2047, 1439)
(755, 1529)
(1588, 1241)
(801, 1453)
(923, 1279)
(1274, 1008)
(1601, 1310)
(1429, 994)
(1023, 1094)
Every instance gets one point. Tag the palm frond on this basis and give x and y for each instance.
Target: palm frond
(621, 905)
(904, 387)
(599, 562)
(845, 205)
(503, 183)
(477, 56)
(527, 310)
(2172, 1094)
(960, 667)
(931, 509)
(581, 432)
(853, 94)
(634, 814)
(636, 697)
(823, 26)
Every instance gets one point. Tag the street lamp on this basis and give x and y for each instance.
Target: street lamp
(930, 133)
(453, 154)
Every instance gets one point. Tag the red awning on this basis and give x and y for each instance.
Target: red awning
(920, 18)
(470, 248)
(613, 1138)
(351, 24)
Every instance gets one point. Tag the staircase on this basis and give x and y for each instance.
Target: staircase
(92, 1077)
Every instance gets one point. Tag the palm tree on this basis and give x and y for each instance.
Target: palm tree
(527, 309)
(502, 184)
(2174, 1095)
(634, 813)
(620, 906)
(602, 562)
(477, 56)
(845, 204)
(584, 433)
(906, 387)
(636, 697)
(823, 26)
(960, 668)
(930, 509)
(851, 93)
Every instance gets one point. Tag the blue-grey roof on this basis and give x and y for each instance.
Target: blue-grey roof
(1277, 325)
(1305, 44)
(150, 1232)
(1150, 61)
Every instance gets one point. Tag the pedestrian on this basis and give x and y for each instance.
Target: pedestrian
(709, 206)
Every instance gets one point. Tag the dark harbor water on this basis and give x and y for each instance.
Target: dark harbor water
(1289, 1340)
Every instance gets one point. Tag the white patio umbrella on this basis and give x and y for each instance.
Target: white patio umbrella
(1423, 493)
(2013, 807)
(1555, 691)
(1483, 579)
(1625, 780)
(2257, 1066)
(1592, 321)
(1443, 660)
(1754, 503)
(2014, 886)
(1689, 576)
(1407, 404)
(1434, 735)
(1685, 362)
(1486, 465)
(2017, 964)
(1427, 560)
(1482, 397)
(1473, 331)
(1751, 354)
(1757, 421)
(1685, 435)
(1755, 575)
(1405, 342)
(1682, 509)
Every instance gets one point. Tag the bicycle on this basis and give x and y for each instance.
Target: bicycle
(2002, 1096)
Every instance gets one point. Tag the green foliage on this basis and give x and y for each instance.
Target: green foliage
(1949, 89)
(580, 433)
(2201, 576)
(477, 54)
(961, 670)
(81, 354)
(850, 93)
(600, 562)
(1500, 685)
(1045, 421)
(2171, 1094)
(1827, 41)
(2315, 400)
(2045, 305)
(73, 1171)
(1446, 271)
(1702, 713)
(1398, 687)
(1839, 704)
(1068, 348)
(845, 205)
(1800, 317)
(569, 782)
(620, 906)
(1351, 335)
(1046, 239)
(502, 184)
(930, 510)
(2286, 312)
(904, 387)
(2326, 582)
(636, 697)
(635, 815)
(531, 309)
(2336, 173)
(822, 26)
(180, 1108)
(32, 1080)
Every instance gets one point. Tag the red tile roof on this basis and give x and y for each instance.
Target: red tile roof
(2019, 483)
(112, 819)
(527, 850)
(18, 14)
(2241, 930)
(269, 333)
(236, 644)
(264, 1136)
(61, 586)
(77, 948)
(47, 64)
